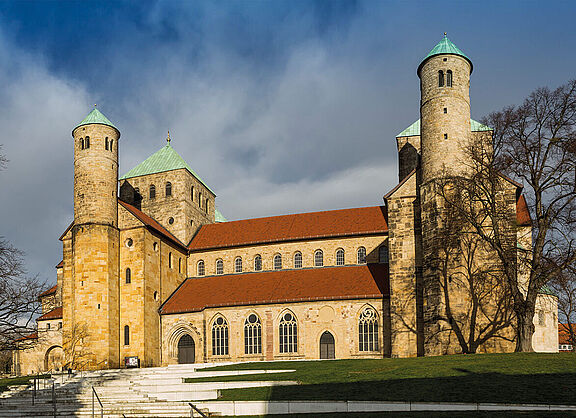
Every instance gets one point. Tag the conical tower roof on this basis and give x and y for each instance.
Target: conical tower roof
(445, 46)
(96, 117)
(165, 159)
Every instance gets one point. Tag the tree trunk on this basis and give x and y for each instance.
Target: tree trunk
(524, 332)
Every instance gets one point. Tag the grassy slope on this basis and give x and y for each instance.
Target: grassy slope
(518, 377)
(4, 383)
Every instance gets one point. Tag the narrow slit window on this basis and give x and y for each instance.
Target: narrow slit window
(440, 78)
(168, 189)
(106, 143)
(152, 191)
(128, 276)
(449, 78)
(126, 335)
(87, 142)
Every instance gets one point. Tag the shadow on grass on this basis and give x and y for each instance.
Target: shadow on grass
(554, 388)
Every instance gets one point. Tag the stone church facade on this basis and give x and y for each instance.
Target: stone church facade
(152, 270)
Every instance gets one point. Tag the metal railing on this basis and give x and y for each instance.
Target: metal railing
(193, 408)
(95, 396)
(36, 388)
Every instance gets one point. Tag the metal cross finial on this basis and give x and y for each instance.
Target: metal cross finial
(168, 138)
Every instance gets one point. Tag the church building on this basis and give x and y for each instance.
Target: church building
(152, 271)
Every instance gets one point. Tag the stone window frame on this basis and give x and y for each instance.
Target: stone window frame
(200, 268)
(440, 78)
(298, 260)
(128, 276)
(340, 257)
(361, 255)
(168, 189)
(152, 192)
(252, 334)
(192, 193)
(449, 78)
(238, 265)
(277, 264)
(288, 333)
(257, 262)
(318, 258)
(368, 329)
(219, 266)
(220, 336)
(87, 142)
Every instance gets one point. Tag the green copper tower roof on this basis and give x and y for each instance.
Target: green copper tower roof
(414, 129)
(219, 217)
(96, 117)
(445, 46)
(166, 159)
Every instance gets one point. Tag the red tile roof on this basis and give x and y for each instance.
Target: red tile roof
(522, 212)
(33, 336)
(53, 314)
(314, 225)
(151, 223)
(280, 286)
(60, 264)
(48, 292)
(564, 335)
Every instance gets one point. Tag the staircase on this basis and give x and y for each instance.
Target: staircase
(146, 392)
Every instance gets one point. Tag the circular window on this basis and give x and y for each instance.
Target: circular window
(219, 321)
(288, 317)
(156, 295)
(252, 319)
(155, 246)
(129, 242)
(171, 221)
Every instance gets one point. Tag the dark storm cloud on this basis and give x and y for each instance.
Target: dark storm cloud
(281, 107)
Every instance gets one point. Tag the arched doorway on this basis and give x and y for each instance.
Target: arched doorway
(327, 349)
(186, 350)
(54, 359)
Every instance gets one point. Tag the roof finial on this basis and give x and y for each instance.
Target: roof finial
(95, 105)
(444, 34)
(168, 138)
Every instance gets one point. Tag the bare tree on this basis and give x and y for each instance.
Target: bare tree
(75, 352)
(19, 303)
(564, 285)
(535, 144)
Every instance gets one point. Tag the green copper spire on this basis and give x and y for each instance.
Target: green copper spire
(96, 117)
(445, 46)
(166, 159)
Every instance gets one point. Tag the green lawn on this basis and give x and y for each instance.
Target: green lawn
(21, 380)
(517, 377)
(429, 414)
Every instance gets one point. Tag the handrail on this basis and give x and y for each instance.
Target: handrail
(94, 394)
(193, 408)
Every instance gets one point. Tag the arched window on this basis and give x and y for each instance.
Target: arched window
(128, 276)
(339, 257)
(361, 255)
(220, 337)
(81, 143)
(206, 206)
(192, 193)
(106, 143)
(219, 266)
(318, 258)
(368, 330)
(449, 78)
(170, 260)
(277, 262)
(126, 335)
(288, 333)
(180, 265)
(200, 199)
(298, 260)
(383, 255)
(238, 265)
(200, 268)
(87, 142)
(168, 189)
(152, 191)
(252, 335)
(111, 143)
(258, 262)
(440, 78)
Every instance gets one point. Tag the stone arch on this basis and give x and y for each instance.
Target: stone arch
(54, 358)
(177, 332)
(327, 345)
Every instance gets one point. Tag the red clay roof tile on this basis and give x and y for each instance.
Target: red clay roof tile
(48, 292)
(150, 222)
(522, 212)
(60, 264)
(53, 314)
(314, 225)
(33, 336)
(279, 286)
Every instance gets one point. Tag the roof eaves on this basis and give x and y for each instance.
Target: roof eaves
(391, 192)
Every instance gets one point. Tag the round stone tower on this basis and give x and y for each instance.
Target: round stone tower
(444, 110)
(92, 255)
(95, 170)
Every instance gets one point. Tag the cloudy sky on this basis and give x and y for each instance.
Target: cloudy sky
(280, 106)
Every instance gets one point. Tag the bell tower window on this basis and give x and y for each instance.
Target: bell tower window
(440, 78)
(106, 143)
(87, 142)
(152, 191)
(168, 189)
(449, 78)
